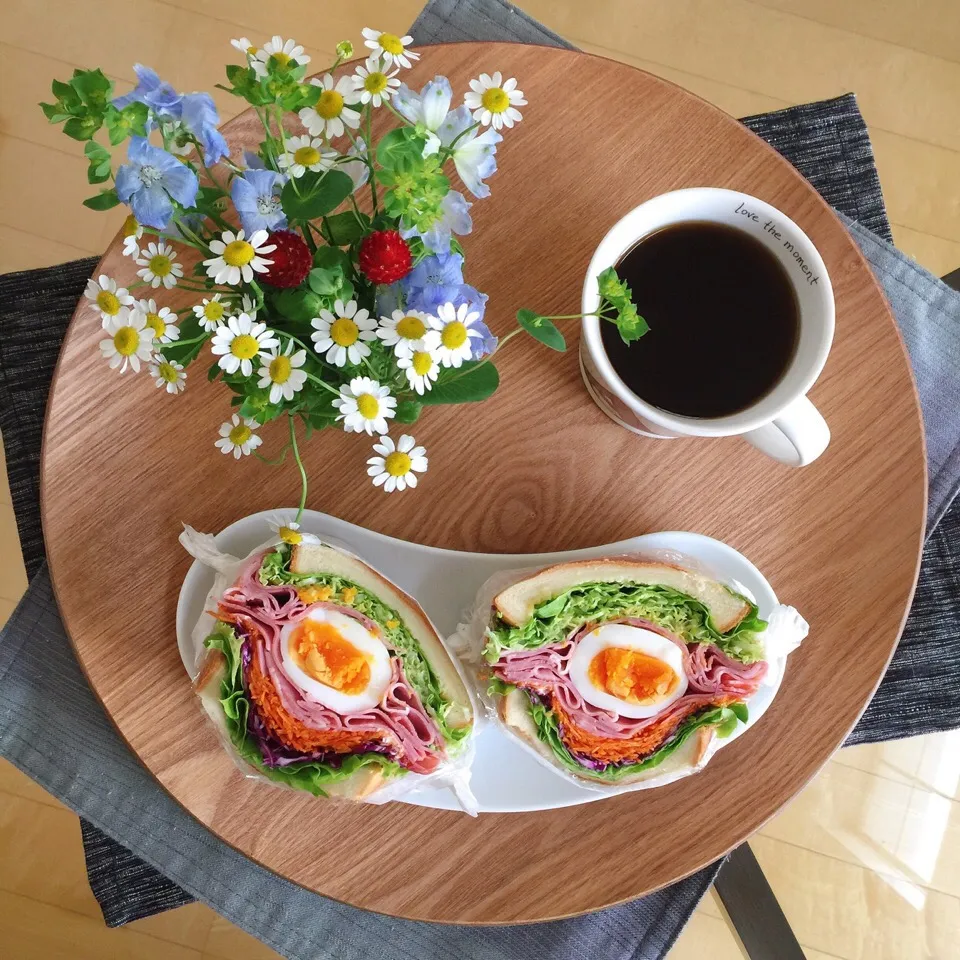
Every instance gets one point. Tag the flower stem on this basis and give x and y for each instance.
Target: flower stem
(303, 473)
(373, 178)
(316, 379)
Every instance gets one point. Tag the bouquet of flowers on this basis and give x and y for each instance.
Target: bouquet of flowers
(327, 270)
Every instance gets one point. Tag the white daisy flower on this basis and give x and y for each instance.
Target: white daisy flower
(236, 258)
(237, 437)
(162, 321)
(160, 267)
(132, 232)
(130, 341)
(365, 406)
(289, 530)
(305, 153)
(109, 298)
(421, 368)
(342, 333)
(333, 113)
(495, 101)
(390, 47)
(240, 341)
(374, 84)
(211, 312)
(168, 374)
(283, 53)
(245, 47)
(450, 333)
(249, 305)
(398, 465)
(280, 372)
(402, 330)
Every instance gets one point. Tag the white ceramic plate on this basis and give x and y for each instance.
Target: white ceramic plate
(506, 777)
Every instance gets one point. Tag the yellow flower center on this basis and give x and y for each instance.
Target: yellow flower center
(280, 369)
(156, 324)
(130, 226)
(454, 335)
(307, 156)
(422, 363)
(252, 50)
(411, 327)
(344, 332)
(238, 253)
(282, 59)
(330, 104)
(160, 265)
(244, 347)
(495, 100)
(108, 302)
(213, 311)
(240, 434)
(167, 372)
(126, 340)
(375, 82)
(368, 405)
(397, 464)
(391, 44)
(291, 536)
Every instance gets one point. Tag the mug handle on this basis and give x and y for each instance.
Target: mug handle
(797, 437)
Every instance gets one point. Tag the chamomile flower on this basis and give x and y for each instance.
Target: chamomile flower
(160, 267)
(161, 320)
(168, 374)
(130, 340)
(397, 465)
(333, 112)
(403, 330)
(421, 368)
(289, 530)
(240, 341)
(280, 372)
(283, 53)
(365, 406)
(108, 297)
(238, 258)
(249, 305)
(211, 312)
(494, 101)
(342, 333)
(305, 153)
(245, 47)
(237, 436)
(132, 232)
(374, 83)
(450, 333)
(391, 47)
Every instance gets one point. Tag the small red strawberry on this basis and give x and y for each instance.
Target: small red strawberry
(385, 257)
(291, 260)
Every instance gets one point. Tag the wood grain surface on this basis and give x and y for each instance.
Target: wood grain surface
(537, 467)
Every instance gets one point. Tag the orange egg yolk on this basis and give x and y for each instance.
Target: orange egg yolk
(632, 675)
(325, 654)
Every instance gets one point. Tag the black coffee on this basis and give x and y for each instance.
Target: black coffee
(724, 320)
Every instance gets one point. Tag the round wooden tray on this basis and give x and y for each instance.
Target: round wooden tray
(538, 467)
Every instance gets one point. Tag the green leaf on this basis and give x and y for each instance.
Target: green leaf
(239, 75)
(345, 228)
(185, 353)
(741, 711)
(408, 411)
(396, 146)
(325, 282)
(315, 194)
(54, 112)
(213, 372)
(93, 87)
(478, 382)
(300, 305)
(131, 120)
(630, 324)
(331, 258)
(82, 128)
(257, 405)
(68, 97)
(542, 329)
(104, 200)
(100, 162)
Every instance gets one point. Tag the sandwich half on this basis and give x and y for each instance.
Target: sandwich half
(325, 676)
(617, 670)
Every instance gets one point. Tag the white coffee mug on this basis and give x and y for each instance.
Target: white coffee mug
(783, 424)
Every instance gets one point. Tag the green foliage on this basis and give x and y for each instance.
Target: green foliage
(80, 104)
(315, 194)
(99, 157)
(408, 411)
(182, 351)
(298, 304)
(414, 185)
(345, 228)
(104, 200)
(130, 121)
(616, 305)
(471, 383)
(542, 329)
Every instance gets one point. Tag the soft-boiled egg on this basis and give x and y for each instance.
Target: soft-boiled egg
(628, 670)
(334, 660)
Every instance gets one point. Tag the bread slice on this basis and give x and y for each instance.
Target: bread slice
(516, 604)
(321, 559)
(358, 785)
(514, 709)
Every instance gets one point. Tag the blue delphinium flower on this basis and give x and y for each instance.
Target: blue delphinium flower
(434, 280)
(484, 346)
(151, 90)
(454, 218)
(474, 155)
(426, 110)
(199, 115)
(152, 180)
(256, 195)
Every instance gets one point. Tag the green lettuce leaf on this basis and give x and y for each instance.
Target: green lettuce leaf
(596, 602)
(275, 569)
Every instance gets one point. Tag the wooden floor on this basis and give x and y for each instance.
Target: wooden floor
(866, 862)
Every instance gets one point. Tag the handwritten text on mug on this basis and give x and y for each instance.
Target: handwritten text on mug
(769, 226)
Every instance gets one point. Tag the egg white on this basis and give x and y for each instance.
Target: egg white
(634, 638)
(357, 634)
